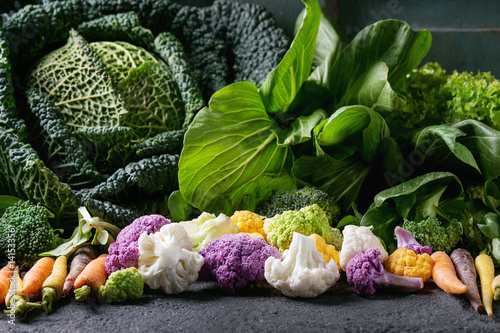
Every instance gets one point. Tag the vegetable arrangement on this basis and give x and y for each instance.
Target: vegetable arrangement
(185, 153)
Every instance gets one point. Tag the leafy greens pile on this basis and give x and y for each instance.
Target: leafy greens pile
(97, 95)
(359, 122)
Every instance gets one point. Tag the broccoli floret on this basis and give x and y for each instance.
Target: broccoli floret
(476, 191)
(28, 225)
(307, 221)
(123, 285)
(297, 199)
(432, 232)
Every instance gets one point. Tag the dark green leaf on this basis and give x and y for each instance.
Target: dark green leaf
(349, 121)
(461, 148)
(347, 220)
(340, 178)
(301, 129)
(7, 201)
(421, 185)
(390, 42)
(372, 89)
(341, 125)
(178, 207)
(490, 225)
(449, 136)
(282, 84)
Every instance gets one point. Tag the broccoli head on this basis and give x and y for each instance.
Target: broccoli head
(297, 199)
(26, 225)
(432, 232)
(123, 285)
(306, 221)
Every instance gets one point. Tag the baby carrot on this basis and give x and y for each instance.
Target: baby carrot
(466, 272)
(486, 271)
(91, 278)
(82, 257)
(5, 275)
(17, 301)
(37, 274)
(444, 274)
(52, 286)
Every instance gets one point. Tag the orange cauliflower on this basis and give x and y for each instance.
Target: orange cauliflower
(327, 251)
(249, 223)
(405, 262)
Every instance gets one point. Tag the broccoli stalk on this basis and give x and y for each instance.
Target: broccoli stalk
(365, 273)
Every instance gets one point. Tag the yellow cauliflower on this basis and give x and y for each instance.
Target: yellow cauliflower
(327, 251)
(249, 223)
(406, 262)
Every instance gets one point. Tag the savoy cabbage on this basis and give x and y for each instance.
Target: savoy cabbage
(97, 96)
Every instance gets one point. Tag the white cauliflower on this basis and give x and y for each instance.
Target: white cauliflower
(358, 240)
(207, 227)
(166, 260)
(302, 271)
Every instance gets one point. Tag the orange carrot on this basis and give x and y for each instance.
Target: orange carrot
(37, 274)
(91, 278)
(53, 285)
(444, 274)
(17, 302)
(5, 276)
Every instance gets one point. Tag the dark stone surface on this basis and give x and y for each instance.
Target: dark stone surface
(205, 308)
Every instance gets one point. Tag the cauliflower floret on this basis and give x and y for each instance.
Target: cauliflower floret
(358, 240)
(327, 251)
(406, 262)
(249, 223)
(124, 252)
(122, 285)
(306, 221)
(235, 261)
(302, 271)
(207, 227)
(166, 260)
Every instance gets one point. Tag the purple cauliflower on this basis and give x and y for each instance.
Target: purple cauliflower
(405, 239)
(365, 273)
(124, 252)
(235, 260)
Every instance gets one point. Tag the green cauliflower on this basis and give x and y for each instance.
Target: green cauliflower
(27, 224)
(297, 199)
(309, 220)
(432, 232)
(123, 285)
